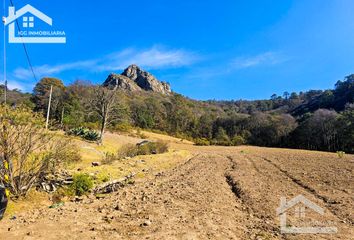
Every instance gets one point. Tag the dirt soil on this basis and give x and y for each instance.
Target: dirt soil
(218, 193)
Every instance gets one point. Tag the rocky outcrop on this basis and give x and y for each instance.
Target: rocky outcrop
(134, 79)
(117, 81)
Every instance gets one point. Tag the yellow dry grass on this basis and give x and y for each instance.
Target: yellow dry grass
(142, 166)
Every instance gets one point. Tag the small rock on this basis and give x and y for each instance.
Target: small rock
(146, 223)
(95, 164)
(142, 143)
(78, 199)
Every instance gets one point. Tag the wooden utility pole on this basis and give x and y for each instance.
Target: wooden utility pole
(48, 111)
(62, 117)
(5, 79)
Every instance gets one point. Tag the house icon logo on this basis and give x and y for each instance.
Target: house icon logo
(300, 203)
(25, 18)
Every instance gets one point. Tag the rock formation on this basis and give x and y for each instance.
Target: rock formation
(135, 79)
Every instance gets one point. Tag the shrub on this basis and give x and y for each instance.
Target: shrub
(152, 148)
(128, 150)
(131, 150)
(103, 177)
(238, 140)
(82, 183)
(31, 151)
(108, 158)
(340, 154)
(201, 142)
(59, 195)
(122, 127)
(66, 152)
(160, 147)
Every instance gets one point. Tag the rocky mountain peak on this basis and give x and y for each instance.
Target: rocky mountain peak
(117, 81)
(134, 78)
(133, 72)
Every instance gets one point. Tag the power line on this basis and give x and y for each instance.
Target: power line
(25, 48)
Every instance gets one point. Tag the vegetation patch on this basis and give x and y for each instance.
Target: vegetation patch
(131, 150)
(30, 152)
(85, 133)
(82, 183)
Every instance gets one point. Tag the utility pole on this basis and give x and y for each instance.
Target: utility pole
(48, 111)
(5, 80)
(62, 116)
(4, 181)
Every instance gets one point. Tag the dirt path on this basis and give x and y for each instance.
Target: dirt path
(220, 193)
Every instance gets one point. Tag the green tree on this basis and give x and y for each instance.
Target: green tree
(41, 96)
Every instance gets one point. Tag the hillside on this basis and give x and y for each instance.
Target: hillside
(316, 119)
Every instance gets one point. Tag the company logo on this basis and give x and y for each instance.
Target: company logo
(27, 18)
(300, 204)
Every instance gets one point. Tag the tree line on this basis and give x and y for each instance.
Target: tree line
(316, 120)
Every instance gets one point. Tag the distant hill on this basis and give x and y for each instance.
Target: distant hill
(15, 96)
(336, 99)
(296, 104)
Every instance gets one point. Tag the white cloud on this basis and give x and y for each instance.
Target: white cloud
(15, 85)
(266, 58)
(155, 57)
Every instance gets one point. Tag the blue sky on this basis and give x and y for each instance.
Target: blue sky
(228, 49)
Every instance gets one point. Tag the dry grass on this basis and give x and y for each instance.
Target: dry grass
(33, 200)
(142, 166)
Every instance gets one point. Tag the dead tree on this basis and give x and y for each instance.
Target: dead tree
(103, 103)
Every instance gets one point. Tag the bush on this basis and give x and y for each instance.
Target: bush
(122, 127)
(31, 151)
(238, 140)
(66, 152)
(108, 158)
(128, 150)
(60, 195)
(340, 154)
(201, 142)
(152, 148)
(82, 183)
(131, 150)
